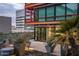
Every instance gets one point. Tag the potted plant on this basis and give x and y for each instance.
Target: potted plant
(19, 46)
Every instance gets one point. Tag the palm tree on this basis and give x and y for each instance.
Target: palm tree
(20, 44)
(66, 28)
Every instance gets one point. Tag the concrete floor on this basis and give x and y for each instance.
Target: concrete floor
(40, 46)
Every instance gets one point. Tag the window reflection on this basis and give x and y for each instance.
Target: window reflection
(71, 8)
(60, 10)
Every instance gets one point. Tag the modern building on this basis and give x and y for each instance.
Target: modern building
(5, 24)
(47, 17)
(14, 30)
(20, 22)
(20, 19)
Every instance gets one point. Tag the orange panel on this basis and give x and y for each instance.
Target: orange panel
(37, 23)
(32, 5)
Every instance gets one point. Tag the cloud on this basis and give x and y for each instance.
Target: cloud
(18, 6)
(7, 10)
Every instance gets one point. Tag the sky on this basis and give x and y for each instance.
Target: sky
(9, 9)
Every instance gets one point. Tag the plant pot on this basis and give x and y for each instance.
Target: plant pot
(19, 49)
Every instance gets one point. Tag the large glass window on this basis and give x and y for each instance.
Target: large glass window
(60, 18)
(41, 19)
(60, 10)
(42, 12)
(40, 34)
(50, 19)
(36, 14)
(71, 8)
(50, 11)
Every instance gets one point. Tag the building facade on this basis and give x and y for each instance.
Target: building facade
(47, 17)
(20, 22)
(5, 24)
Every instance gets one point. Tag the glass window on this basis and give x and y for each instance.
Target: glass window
(20, 17)
(42, 12)
(60, 18)
(50, 19)
(71, 8)
(19, 24)
(28, 17)
(50, 11)
(60, 10)
(41, 19)
(36, 15)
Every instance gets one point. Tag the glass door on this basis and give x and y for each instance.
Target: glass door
(40, 34)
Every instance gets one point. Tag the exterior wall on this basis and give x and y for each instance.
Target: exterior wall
(20, 19)
(20, 22)
(52, 13)
(5, 24)
(56, 12)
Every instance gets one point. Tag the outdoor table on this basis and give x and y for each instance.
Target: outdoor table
(6, 51)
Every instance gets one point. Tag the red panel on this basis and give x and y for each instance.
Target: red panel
(28, 20)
